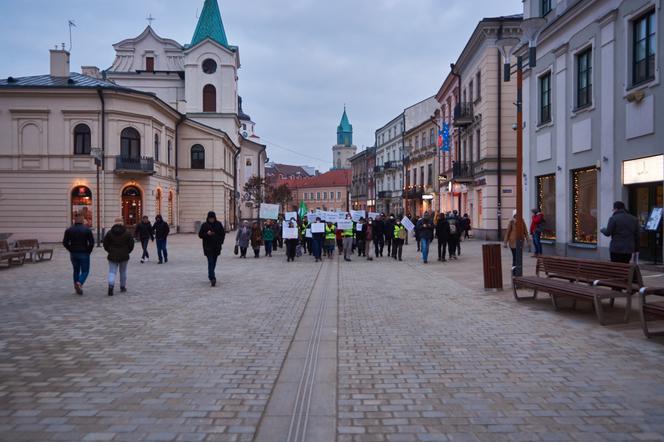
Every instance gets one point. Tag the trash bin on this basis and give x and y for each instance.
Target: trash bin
(493, 268)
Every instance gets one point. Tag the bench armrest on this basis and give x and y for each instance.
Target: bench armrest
(604, 281)
(646, 291)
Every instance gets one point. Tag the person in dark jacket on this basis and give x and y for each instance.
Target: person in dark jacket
(161, 231)
(388, 233)
(145, 235)
(212, 233)
(379, 235)
(454, 239)
(317, 240)
(291, 243)
(443, 235)
(119, 244)
(426, 236)
(78, 240)
(624, 230)
(361, 237)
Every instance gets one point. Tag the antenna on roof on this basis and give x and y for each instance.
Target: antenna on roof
(71, 25)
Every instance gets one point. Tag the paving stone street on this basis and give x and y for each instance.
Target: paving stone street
(361, 351)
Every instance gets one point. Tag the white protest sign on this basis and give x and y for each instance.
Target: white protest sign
(359, 227)
(318, 228)
(408, 224)
(357, 214)
(289, 232)
(269, 211)
(308, 234)
(290, 215)
(345, 225)
(374, 215)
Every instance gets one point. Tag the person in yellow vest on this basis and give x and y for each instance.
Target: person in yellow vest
(399, 236)
(348, 235)
(330, 239)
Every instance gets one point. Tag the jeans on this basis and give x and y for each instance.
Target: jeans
(317, 246)
(161, 250)
(537, 242)
(212, 264)
(348, 246)
(268, 247)
(243, 252)
(144, 244)
(378, 245)
(113, 268)
(397, 248)
(424, 246)
(442, 246)
(80, 261)
(388, 243)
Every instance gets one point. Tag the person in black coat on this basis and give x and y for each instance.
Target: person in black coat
(388, 234)
(213, 234)
(443, 235)
(624, 230)
(78, 240)
(145, 235)
(378, 235)
(161, 231)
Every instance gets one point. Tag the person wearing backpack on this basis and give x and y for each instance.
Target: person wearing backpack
(455, 234)
(443, 235)
(536, 227)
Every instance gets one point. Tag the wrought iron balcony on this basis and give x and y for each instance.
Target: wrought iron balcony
(138, 166)
(379, 169)
(462, 171)
(414, 192)
(389, 165)
(463, 114)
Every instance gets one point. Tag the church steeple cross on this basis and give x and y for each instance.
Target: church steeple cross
(150, 19)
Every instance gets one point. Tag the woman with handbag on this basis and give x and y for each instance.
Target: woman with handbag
(242, 238)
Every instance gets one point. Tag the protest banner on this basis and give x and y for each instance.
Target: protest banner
(357, 214)
(308, 234)
(290, 215)
(318, 228)
(345, 225)
(269, 211)
(359, 227)
(289, 232)
(374, 215)
(408, 224)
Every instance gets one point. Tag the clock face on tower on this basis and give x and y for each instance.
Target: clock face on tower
(209, 66)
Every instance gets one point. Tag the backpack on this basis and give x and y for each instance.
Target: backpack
(453, 227)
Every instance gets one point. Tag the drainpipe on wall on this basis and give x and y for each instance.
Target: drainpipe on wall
(458, 156)
(177, 167)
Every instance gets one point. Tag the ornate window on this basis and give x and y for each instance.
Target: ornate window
(130, 143)
(170, 151)
(156, 147)
(197, 157)
(209, 66)
(81, 139)
(170, 207)
(209, 98)
(157, 202)
(149, 64)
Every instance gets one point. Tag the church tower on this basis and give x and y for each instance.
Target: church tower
(344, 149)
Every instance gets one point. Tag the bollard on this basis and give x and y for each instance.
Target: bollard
(493, 268)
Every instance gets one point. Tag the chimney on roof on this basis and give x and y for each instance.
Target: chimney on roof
(59, 63)
(91, 71)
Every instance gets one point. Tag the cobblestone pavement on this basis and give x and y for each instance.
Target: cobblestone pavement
(371, 351)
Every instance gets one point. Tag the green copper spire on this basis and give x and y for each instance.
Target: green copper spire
(210, 25)
(345, 131)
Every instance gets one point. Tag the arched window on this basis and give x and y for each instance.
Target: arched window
(170, 207)
(157, 201)
(81, 204)
(130, 144)
(156, 147)
(81, 139)
(197, 157)
(170, 151)
(209, 98)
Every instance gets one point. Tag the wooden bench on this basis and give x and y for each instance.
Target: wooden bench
(649, 308)
(33, 251)
(9, 256)
(582, 279)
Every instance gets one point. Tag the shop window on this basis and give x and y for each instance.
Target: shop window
(546, 202)
(170, 207)
(197, 157)
(157, 202)
(82, 139)
(81, 203)
(132, 205)
(584, 206)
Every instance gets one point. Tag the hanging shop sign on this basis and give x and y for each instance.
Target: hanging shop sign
(643, 170)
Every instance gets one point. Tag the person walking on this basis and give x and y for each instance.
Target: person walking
(79, 242)
(161, 231)
(361, 237)
(399, 234)
(317, 240)
(379, 235)
(389, 229)
(536, 227)
(455, 233)
(416, 232)
(443, 235)
(426, 236)
(624, 230)
(368, 239)
(145, 235)
(242, 238)
(330, 239)
(465, 225)
(212, 233)
(256, 239)
(347, 236)
(511, 236)
(268, 237)
(291, 243)
(119, 244)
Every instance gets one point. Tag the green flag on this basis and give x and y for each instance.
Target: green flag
(302, 210)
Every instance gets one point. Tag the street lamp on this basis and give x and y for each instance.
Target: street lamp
(96, 152)
(531, 28)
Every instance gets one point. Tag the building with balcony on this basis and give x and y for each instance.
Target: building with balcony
(166, 143)
(421, 168)
(359, 189)
(593, 109)
(478, 164)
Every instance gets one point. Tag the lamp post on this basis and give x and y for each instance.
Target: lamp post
(531, 27)
(96, 153)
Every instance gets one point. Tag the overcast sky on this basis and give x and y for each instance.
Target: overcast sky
(301, 59)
